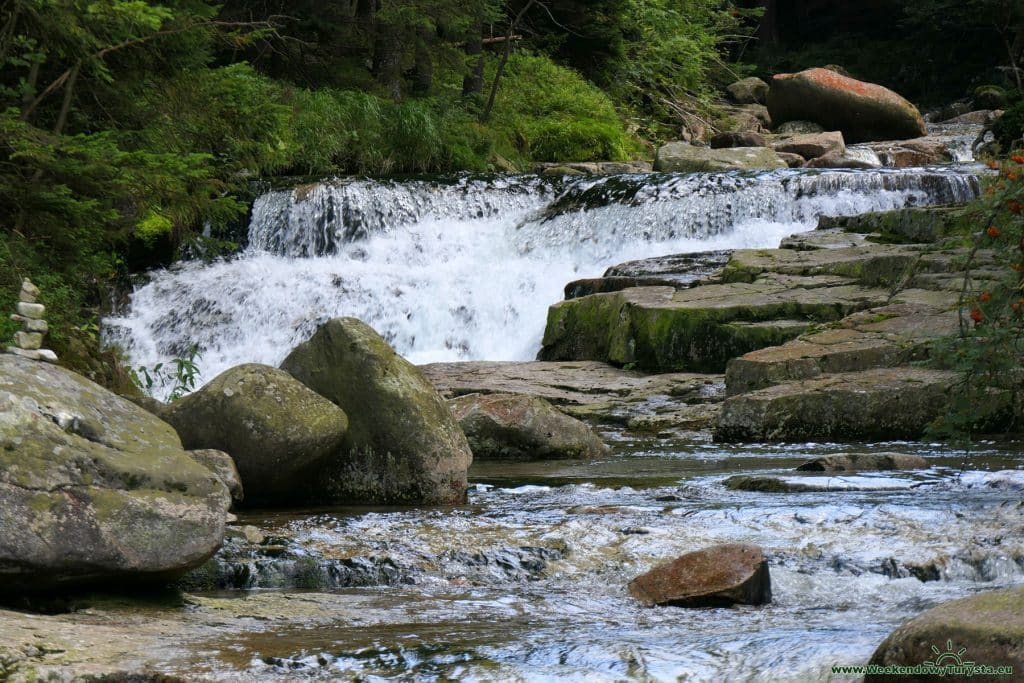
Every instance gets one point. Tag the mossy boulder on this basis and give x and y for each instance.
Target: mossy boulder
(403, 446)
(221, 464)
(862, 111)
(683, 157)
(273, 427)
(93, 488)
(513, 426)
(989, 626)
(751, 90)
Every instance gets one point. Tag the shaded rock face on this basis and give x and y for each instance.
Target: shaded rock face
(403, 445)
(862, 111)
(272, 426)
(736, 139)
(750, 90)
(221, 464)
(713, 577)
(523, 428)
(93, 488)
(799, 128)
(990, 626)
(685, 158)
(811, 146)
(883, 403)
(862, 462)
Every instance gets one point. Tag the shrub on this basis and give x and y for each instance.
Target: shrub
(989, 352)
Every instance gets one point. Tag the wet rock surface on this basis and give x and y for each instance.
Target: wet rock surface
(521, 427)
(985, 629)
(714, 577)
(592, 391)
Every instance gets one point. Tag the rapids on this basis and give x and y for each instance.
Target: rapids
(465, 268)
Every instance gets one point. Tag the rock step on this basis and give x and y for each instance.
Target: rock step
(870, 264)
(913, 224)
(883, 403)
(881, 337)
(660, 329)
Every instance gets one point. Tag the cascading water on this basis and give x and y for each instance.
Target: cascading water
(466, 268)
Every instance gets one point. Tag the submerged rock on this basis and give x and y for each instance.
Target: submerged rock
(859, 462)
(272, 426)
(403, 446)
(523, 428)
(862, 111)
(685, 158)
(988, 626)
(713, 577)
(93, 488)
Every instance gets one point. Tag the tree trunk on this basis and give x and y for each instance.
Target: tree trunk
(473, 81)
(504, 60)
(423, 71)
(387, 61)
(768, 31)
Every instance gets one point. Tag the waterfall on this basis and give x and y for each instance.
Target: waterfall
(465, 268)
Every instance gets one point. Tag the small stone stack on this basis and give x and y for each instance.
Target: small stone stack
(28, 341)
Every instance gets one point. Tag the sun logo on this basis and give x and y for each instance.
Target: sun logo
(950, 657)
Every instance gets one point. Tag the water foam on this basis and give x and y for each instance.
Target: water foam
(466, 269)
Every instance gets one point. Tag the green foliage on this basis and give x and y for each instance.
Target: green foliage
(1009, 128)
(550, 113)
(989, 352)
(180, 377)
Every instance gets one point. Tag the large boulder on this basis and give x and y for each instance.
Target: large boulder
(522, 427)
(273, 426)
(93, 488)
(685, 158)
(862, 111)
(723, 575)
(403, 445)
(750, 90)
(988, 627)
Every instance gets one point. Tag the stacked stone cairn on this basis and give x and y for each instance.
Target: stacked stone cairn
(28, 341)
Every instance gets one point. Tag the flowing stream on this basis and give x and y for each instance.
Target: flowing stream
(527, 581)
(465, 269)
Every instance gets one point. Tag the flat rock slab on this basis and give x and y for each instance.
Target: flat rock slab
(885, 336)
(869, 264)
(660, 329)
(591, 390)
(713, 577)
(896, 403)
(924, 224)
(683, 157)
(989, 627)
(767, 484)
(833, 238)
(861, 462)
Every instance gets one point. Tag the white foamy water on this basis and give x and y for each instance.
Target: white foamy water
(465, 270)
